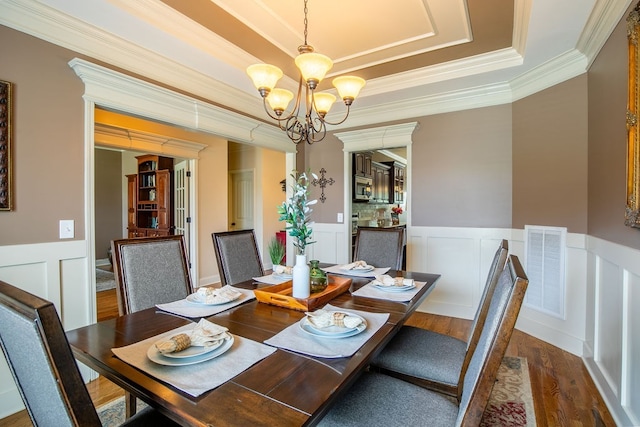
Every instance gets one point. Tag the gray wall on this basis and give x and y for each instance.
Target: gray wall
(48, 140)
(108, 199)
(608, 141)
(550, 157)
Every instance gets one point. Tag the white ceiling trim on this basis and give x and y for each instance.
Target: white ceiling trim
(378, 138)
(34, 18)
(120, 92)
(127, 139)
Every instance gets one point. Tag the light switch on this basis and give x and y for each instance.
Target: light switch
(340, 217)
(66, 229)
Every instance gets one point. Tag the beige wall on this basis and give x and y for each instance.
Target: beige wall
(607, 141)
(550, 157)
(461, 169)
(108, 199)
(48, 140)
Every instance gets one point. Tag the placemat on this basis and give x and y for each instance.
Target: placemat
(188, 309)
(371, 291)
(295, 339)
(199, 378)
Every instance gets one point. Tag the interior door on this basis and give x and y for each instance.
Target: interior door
(181, 216)
(241, 200)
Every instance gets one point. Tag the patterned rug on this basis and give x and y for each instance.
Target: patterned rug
(105, 280)
(510, 404)
(511, 401)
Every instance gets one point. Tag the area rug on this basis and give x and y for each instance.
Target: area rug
(105, 280)
(511, 401)
(510, 404)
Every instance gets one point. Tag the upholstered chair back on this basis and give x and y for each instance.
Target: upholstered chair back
(237, 256)
(380, 247)
(150, 271)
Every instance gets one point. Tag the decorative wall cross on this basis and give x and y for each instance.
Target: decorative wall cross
(323, 183)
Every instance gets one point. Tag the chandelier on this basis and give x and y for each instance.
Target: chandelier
(313, 67)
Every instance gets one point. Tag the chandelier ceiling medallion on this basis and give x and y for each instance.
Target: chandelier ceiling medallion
(313, 67)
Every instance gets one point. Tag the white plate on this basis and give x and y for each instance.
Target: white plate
(282, 276)
(331, 331)
(192, 351)
(394, 288)
(155, 356)
(359, 270)
(195, 299)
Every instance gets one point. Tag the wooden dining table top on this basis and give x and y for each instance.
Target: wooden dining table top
(284, 389)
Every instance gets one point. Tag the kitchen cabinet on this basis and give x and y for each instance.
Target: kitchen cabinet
(149, 197)
(381, 182)
(396, 182)
(362, 164)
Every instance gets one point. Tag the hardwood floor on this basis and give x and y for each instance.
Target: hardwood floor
(563, 392)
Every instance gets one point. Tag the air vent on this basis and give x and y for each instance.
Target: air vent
(545, 258)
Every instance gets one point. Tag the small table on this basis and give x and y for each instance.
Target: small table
(285, 388)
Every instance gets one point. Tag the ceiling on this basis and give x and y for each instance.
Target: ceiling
(424, 57)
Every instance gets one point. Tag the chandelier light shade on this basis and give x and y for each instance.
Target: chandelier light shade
(313, 68)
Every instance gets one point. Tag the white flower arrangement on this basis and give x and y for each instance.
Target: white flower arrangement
(296, 212)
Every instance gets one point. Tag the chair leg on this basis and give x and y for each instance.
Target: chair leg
(129, 404)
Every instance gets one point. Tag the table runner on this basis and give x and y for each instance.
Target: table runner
(370, 291)
(187, 309)
(295, 339)
(335, 269)
(201, 377)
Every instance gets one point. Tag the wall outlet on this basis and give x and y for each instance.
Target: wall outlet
(340, 217)
(66, 229)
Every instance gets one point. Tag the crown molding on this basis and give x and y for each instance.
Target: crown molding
(603, 19)
(124, 93)
(39, 20)
(378, 138)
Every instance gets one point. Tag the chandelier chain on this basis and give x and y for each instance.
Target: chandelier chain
(306, 21)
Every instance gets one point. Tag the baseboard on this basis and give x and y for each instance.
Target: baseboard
(608, 395)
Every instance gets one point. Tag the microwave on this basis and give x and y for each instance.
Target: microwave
(362, 188)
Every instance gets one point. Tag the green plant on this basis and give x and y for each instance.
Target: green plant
(296, 212)
(276, 251)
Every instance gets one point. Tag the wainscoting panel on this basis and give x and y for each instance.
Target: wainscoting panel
(612, 343)
(57, 272)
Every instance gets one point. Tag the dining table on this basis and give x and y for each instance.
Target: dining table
(285, 387)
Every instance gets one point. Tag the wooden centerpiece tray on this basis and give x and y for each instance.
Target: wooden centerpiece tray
(281, 294)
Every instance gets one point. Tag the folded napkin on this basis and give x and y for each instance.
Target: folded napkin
(208, 295)
(295, 339)
(339, 269)
(201, 377)
(388, 281)
(205, 334)
(188, 309)
(323, 318)
(357, 265)
(371, 291)
(283, 269)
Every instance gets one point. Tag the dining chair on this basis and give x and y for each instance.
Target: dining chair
(433, 360)
(379, 399)
(149, 271)
(237, 256)
(43, 367)
(380, 247)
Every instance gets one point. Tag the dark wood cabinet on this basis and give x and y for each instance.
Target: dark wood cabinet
(150, 197)
(381, 182)
(362, 164)
(396, 182)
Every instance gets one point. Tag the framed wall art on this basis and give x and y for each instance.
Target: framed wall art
(6, 189)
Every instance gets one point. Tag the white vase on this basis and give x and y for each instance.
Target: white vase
(301, 282)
